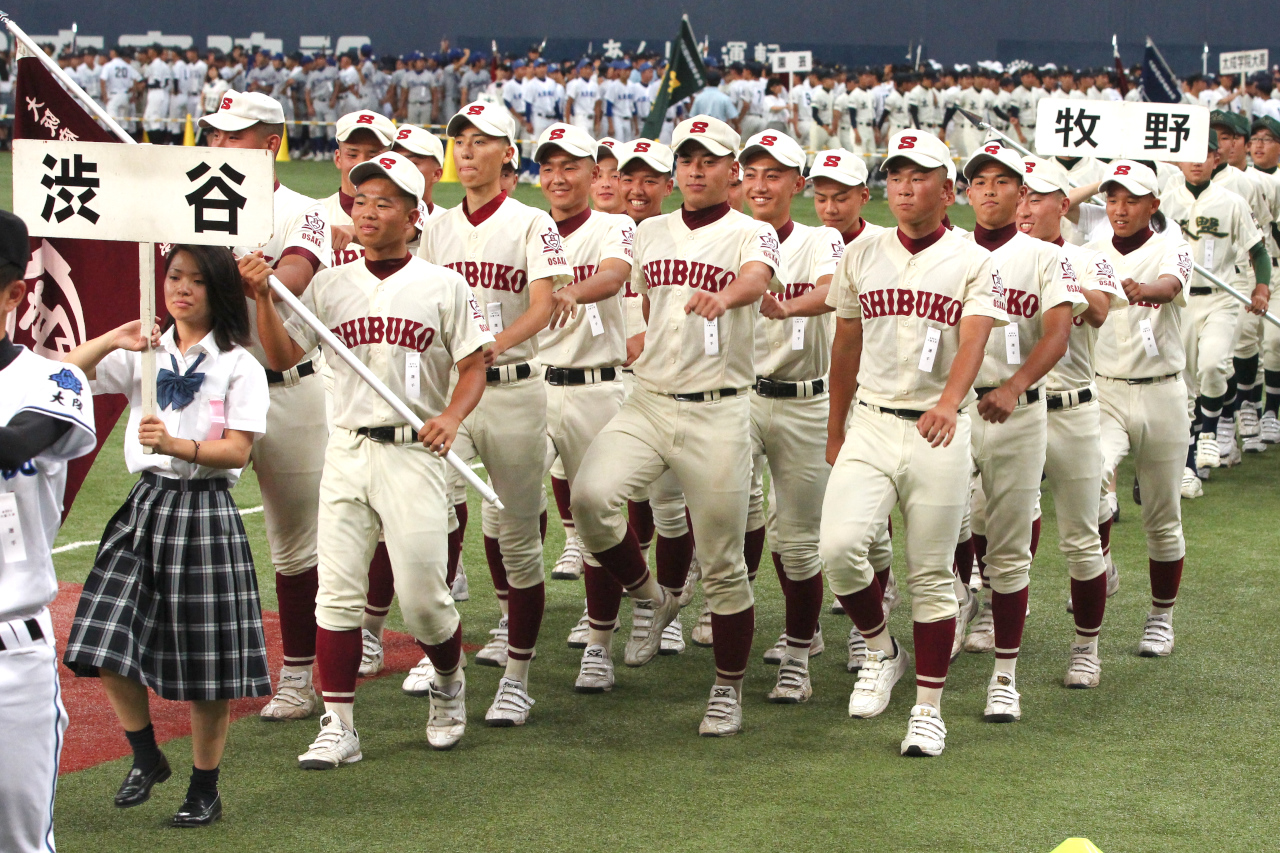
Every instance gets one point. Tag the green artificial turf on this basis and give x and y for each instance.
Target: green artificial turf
(1170, 754)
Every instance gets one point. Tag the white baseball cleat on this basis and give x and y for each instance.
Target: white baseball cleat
(876, 678)
(1113, 576)
(569, 566)
(460, 590)
(701, 633)
(673, 638)
(1232, 457)
(418, 681)
(336, 744)
(982, 631)
(1207, 455)
(891, 598)
(691, 581)
(926, 733)
(649, 618)
(494, 652)
(1247, 420)
(581, 632)
(1085, 669)
(793, 685)
(1113, 504)
(1269, 428)
(447, 719)
(857, 650)
(724, 713)
(370, 654)
(1157, 636)
(295, 697)
(969, 608)
(595, 675)
(1003, 700)
(510, 706)
(1227, 442)
(1254, 444)
(774, 654)
(1191, 485)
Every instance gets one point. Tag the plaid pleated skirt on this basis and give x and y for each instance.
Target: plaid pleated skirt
(172, 601)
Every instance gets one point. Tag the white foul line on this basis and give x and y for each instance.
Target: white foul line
(71, 546)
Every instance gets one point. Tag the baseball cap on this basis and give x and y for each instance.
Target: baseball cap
(379, 124)
(519, 63)
(657, 156)
(841, 166)
(572, 140)
(1268, 124)
(240, 110)
(14, 246)
(583, 63)
(489, 119)
(606, 146)
(921, 148)
(1133, 176)
(417, 140)
(777, 145)
(1213, 139)
(399, 169)
(711, 133)
(1045, 176)
(993, 151)
(1233, 122)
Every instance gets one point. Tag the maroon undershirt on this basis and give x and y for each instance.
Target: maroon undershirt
(993, 238)
(850, 236)
(916, 246)
(347, 201)
(1125, 245)
(573, 223)
(486, 210)
(694, 219)
(1058, 241)
(785, 231)
(385, 269)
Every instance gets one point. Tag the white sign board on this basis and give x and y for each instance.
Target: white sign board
(144, 193)
(795, 62)
(1243, 61)
(1132, 130)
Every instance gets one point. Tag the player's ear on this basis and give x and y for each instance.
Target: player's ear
(273, 144)
(11, 297)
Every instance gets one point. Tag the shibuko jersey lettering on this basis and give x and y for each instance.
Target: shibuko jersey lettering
(672, 261)
(798, 349)
(589, 341)
(337, 214)
(498, 250)
(1096, 272)
(907, 301)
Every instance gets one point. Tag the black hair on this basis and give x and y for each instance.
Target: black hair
(223, 290)
(9, 273)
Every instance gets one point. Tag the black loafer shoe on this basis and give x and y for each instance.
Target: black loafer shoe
(136, 787)
(198, 810)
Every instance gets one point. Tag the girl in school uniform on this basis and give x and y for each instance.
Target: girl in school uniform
(172, 601)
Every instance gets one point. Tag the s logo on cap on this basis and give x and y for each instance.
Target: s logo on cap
(387, 162)
(225, 105)
(403, 134)
(832, 161)
(698, 127)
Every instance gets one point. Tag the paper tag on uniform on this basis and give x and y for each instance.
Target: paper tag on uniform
(711, 336)
(412, 372)
(1148, 338)
(217, 419)
(593, 318)
(797, 332)
(1208, 251)
(931, 338)
(1012, 348)
(494, 311)
(15, 547)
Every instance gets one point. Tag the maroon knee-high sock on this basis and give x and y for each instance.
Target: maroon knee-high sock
(382, 583)
(338, 663)
(560, 488)
(731, 642)
(461, 511)
(672, 558)
(640, 517)
(446, 656)
(296, 595)
(1035, 537)
(980, 554)
(933, 651)
(1088, 604)
(455, 556)
(1009, 611)
(625, 562)
(1104, 534)
(497, 572)
(1166, 576)
(803, 606)
(604, 597)
(964, 560)
(524, 619)
(752, 550)
(783, 581)
(866, 608)
(883, 577)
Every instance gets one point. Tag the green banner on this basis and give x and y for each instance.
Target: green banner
(686, 75)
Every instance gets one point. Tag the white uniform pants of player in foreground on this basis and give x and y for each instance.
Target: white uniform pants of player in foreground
(1151, 421)
(886, 461)
(666, 498)
(1073, 468)
(708, 447)
(1209, 326)
(1010, 459)
(398, 491)
(34, 722)
(792, 433)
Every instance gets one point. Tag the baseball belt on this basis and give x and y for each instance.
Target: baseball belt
(1147, 380)
(579, 376)
(906, 414)
(770, 388)
(508, 373)
(176, 484)
(22, 632)
(1031, 396)
(290, 377)
(389, 434)
(706, 396)
(1070, 399)
(1200, 291)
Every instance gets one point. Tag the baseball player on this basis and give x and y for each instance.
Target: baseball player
(289, 458)
(350, 90)
(1265, 152)
(910, 371)
(1023, 102)
(178, 100)
(789, 403)
(118, 81)
(606, 193)
(1042, 296)
(583, 106)
(702, 272)
(1073, 458)
(822, 109)
(1139, 360)
(419, 92)
(511, 256)
(322, 82)
(410, 322)
(859, 106)
(48, 421)
(360, 136)
(969, 137)
(159, 78)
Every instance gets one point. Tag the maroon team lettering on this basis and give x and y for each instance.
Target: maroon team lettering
(905, 303)
(676, 272)
(396, 331)
(491, 276)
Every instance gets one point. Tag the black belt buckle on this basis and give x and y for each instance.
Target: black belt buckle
(1201, 291)
(774, 389)
(382, 435)
(275, 377)
(576, 375)
(704, 396)
(494, 374)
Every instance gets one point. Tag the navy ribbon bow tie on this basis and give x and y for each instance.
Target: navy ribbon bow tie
(176, 391)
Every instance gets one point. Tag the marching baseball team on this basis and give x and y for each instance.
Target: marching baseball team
(654, 364)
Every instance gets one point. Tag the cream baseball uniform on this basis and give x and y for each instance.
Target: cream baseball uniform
(789, 407)
(706, 440)
(1073, 458)
(1253, 330)
(499, 249)
(861, 101)
(1139, 362)
(823, 103)
(1010, 456)
(910, 307)
(409, 328)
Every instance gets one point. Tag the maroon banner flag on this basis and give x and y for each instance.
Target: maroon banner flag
(76, 289)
